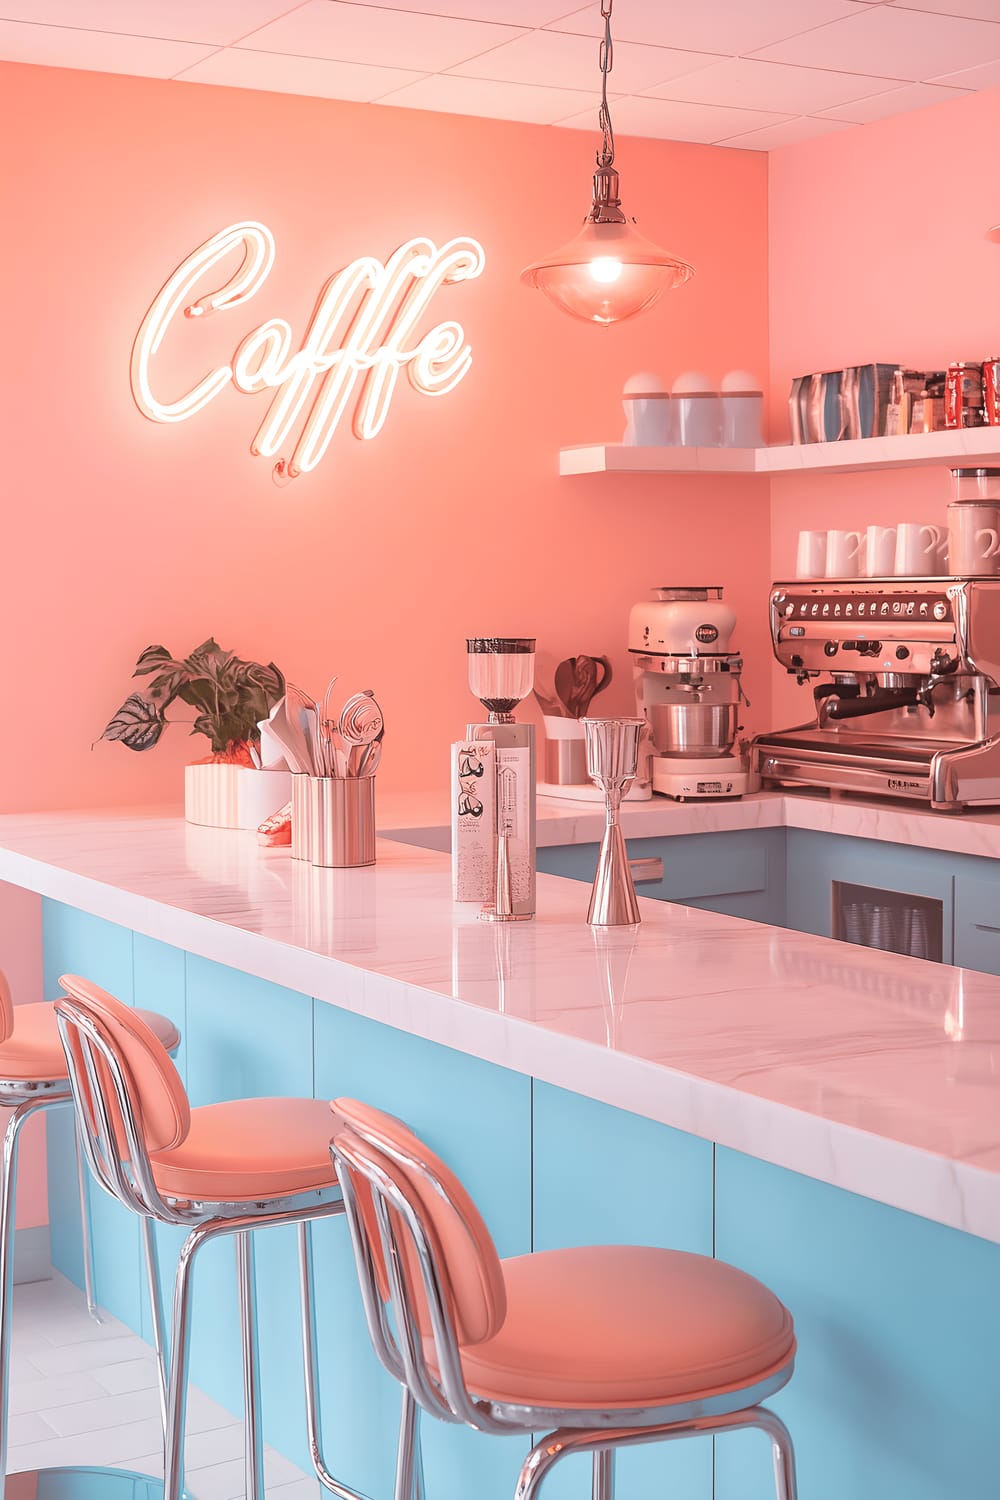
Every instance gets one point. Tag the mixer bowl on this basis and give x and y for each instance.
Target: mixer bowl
(695, 731)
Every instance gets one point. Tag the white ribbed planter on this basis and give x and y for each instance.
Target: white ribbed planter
(221, 796)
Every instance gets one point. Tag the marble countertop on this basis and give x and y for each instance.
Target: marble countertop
(875, 1072)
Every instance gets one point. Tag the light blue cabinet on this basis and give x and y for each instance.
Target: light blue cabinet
(816, 860)
(897, 1380)
(602, 1176)
(740, 874)
(977, 916)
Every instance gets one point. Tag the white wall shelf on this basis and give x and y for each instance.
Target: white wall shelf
(967, 447)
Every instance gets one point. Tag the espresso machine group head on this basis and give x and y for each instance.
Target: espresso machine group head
(905, 676)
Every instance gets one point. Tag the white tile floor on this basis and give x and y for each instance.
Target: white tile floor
(83, 1392)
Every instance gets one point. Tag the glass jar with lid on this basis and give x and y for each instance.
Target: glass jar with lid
(976, 486)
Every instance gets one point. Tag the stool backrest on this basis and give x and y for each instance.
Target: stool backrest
(422, 1251)
(128, 1095)
(6, 1008)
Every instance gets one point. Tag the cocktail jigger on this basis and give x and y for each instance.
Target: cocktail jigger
(612, 761)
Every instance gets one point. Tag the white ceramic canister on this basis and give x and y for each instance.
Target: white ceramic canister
(649, 421)
(698, 414)
(740, 406)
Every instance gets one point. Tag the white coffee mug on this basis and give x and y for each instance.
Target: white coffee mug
(879, 551)
(810, 560)
(842, 549)
(916, 550)
(973, 538)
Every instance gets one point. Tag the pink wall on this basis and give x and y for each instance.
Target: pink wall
(877, 252)
(453, 521)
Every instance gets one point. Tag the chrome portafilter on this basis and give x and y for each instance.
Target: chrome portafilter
(612, 761)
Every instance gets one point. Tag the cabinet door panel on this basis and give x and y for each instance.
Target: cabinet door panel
(478, 1118)
(816, 860)
(603, 1176)
(896, 1385)
(977, 921)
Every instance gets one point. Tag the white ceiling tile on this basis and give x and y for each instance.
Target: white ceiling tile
(564, 61)
(215, 21)
(277, 73)
(976, 10)
(371, 34)
(789, 133)
(726, 27)
(898, 102)
(986, 76)
(905, 44)
(747, 84)
(497, 101)
(95, 51)
(665, 119)
(509, 12)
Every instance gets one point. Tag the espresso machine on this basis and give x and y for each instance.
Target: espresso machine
(687, 688)
(904, 675)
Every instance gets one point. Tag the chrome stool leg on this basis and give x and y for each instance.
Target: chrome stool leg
(409, 1468)
(13, 1119)
(603, 1483)
(783, 1453)
(253, 1438)
(151, 1258)
(180, 1350)
(88, 1247)
(311, 1368)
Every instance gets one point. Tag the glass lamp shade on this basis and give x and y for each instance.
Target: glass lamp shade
(606, 273)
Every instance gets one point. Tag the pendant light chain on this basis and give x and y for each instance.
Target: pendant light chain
(608, 271)
(606, 155)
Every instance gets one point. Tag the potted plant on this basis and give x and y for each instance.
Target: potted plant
(226, 788)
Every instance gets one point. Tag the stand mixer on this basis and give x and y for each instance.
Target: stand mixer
(687, 687)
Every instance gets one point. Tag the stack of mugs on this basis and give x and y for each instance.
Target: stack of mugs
(968, 546)
(909, 550)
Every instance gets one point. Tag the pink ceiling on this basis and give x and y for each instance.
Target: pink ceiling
(749, 73)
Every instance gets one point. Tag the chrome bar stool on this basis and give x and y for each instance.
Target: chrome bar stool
(600, 1347)
(33, 1077)
(219, 1169)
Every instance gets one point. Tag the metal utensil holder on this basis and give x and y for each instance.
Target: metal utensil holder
(300, 815)
(339, 821)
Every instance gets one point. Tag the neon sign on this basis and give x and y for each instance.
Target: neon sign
(361, 336)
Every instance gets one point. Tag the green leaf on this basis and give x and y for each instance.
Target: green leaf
(138, 724)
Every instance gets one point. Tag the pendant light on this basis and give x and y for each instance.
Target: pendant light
(609, 271)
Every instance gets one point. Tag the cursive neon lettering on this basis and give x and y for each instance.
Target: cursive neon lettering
(362, 334)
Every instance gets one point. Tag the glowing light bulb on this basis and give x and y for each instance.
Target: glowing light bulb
(605, 269)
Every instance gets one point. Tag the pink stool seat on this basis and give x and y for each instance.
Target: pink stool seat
(660, 1326)
(249, 1149)
(33, 1053)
